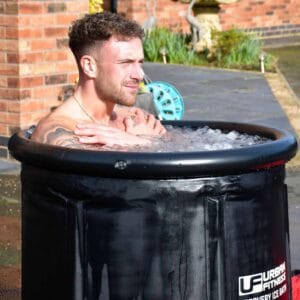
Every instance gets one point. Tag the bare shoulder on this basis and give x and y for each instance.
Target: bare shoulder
(57, 131)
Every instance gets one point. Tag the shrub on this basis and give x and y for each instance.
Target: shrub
(240, 50)
(232, 49)
(174, 44)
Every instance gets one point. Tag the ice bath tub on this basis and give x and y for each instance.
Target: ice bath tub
(156, 226)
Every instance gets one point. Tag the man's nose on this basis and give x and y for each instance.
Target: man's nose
(137, 72)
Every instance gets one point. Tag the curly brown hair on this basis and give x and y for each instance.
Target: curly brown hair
(92, 30)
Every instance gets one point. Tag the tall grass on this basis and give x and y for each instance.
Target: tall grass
(174, 44)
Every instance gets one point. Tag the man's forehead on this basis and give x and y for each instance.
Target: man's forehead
(118, 41)
(118, 46)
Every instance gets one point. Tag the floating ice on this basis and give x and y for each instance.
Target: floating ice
(187, 139)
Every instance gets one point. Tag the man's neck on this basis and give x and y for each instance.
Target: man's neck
(93, 107)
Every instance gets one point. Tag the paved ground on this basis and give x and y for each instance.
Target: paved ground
(213, 94)
(9, 167)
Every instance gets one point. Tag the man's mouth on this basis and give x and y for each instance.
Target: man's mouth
(134, 87)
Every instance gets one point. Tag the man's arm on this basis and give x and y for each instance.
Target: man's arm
(97, 134)
(55, 132)
(90, 136)
(62, 137)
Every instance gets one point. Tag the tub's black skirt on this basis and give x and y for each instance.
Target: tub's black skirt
(87, 237)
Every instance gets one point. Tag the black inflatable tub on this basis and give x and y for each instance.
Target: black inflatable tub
(156, 226)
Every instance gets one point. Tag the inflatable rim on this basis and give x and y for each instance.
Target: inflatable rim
(146, 165)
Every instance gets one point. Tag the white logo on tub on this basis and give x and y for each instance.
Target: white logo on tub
(263, 282)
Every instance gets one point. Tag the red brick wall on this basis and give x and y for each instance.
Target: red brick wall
(169, 13)
(35, 62)
(271, 17)
(260, 13)
(268, 16)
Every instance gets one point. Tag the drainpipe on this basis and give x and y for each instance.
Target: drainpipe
(113, 6)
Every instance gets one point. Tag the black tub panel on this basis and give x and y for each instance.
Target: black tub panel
(103, 238)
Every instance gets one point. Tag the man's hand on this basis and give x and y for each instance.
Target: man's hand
(141, 123)
(94, 134)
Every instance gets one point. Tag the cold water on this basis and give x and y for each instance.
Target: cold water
(187, 139)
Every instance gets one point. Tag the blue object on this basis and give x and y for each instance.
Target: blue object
(168, 101)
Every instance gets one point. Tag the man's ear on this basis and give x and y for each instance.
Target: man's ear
(88, 66)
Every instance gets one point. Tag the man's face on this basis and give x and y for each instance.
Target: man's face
(119, 70)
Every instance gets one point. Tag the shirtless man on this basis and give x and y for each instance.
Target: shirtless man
(109, 54)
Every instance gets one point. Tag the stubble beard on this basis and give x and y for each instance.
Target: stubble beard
(109, 93)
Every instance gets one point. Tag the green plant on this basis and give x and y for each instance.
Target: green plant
(232, 49)
(174, 45)
(240, 50)
(95, 6)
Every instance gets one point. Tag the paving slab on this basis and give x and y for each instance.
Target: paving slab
(223, 95)
(9, 166)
